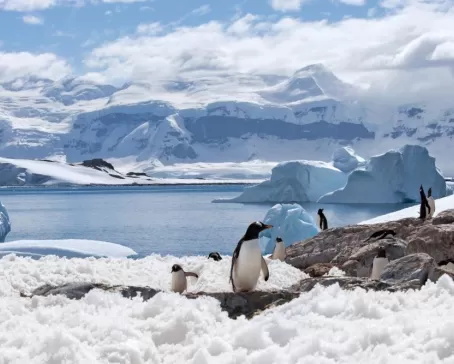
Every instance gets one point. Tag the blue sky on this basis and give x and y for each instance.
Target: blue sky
(72, 31)
(392, 46)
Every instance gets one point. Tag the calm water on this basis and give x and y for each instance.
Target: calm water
(177, 220)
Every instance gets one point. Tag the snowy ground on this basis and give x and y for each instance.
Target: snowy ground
(326, 325)
(441, 204)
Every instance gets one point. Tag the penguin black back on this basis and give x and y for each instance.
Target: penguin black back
(215, 256)
(323, 220)
(429, 192)
(424, 204)
(381, 234)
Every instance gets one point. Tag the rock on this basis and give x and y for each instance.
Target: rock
(410, 267)
(443, 218)
(337, 245)
(97, 163)
(235, 304)
(319, 269)
(437, 272)
(395, 248)
(435, 240)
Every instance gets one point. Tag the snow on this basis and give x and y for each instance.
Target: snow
(326, 325)
(291, 222)
(294, 181)
(441, 204)
(346, 160)
(65, 248)
(392, 177)
(5, 223)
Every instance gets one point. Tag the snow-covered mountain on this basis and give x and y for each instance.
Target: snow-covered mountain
(231, 118)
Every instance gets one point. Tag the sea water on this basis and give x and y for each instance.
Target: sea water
(177, 220)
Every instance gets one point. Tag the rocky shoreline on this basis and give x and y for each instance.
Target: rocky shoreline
(414, 253)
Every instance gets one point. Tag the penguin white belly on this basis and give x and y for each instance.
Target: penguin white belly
(179, 283)
(248, 266)
(318, 222)
(377, 268)
(279, 251)
(431, 202)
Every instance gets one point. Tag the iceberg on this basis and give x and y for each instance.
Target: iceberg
(294, 181)
(346, 160)
(70, 248)
(291, 222)
(5, 224)
(392, 177)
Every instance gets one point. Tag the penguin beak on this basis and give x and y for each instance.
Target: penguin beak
(267, 227)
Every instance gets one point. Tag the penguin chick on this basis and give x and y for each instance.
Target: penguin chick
(379, 263)
(179, 282)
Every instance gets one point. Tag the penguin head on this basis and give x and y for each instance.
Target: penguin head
(320, 212)
(381, 253)
(429, 192)
(215, 256)
(255, 229)
(279, 240)
(176, 268)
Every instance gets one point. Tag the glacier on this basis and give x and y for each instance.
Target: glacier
(291, 222)
(392, 177)
(294, 181)
(346, 160)
(5, 223)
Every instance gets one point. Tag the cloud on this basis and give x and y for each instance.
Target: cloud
(33, 20)
(202, 10)
(419, 36)
(14, 65)
(150, 29)
(287, 5)
(35, 5)
(353, 2)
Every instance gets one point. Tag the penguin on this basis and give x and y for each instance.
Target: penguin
(279, 250)
(247, 260)
(379, 263)
(431, 202)
(381, 234)
(179, 282)
(321, 220)
(424, 204)
(215, 256)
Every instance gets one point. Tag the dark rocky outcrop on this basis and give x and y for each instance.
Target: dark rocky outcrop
(97, 164)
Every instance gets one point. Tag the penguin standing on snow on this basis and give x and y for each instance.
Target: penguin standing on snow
(321, 220)
(379, 263)
(431, 202)
(247, 260)
(424, 207)
(179, 282)
(279, 250)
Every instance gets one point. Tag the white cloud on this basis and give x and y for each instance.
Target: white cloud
(287, 5)
(33, 20)
(353, 2)
(44, 65)
(418, 37)
(26, 5)
(150, 29)
(202, 10)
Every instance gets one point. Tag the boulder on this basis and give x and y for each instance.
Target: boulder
(409, 268)
(443, 218)
(437, 272)
(338, 245)
(364, 257)
(235, 304)
(319, 269)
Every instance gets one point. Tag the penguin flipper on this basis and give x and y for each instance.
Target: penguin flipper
(266, 272)
(235, 255)
(191, 274)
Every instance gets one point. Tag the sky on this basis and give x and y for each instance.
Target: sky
(386, 45)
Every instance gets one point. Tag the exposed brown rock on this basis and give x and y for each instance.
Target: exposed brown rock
(319, 269)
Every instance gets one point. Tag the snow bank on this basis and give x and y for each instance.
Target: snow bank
(65, 248)
(294, 181)
(393, 177)
(346, 160)
(291, 222)
(326, 325)
(5, 224)
(441, 204)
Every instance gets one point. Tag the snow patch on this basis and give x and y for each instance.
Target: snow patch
(291, 222)
(392, 177)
